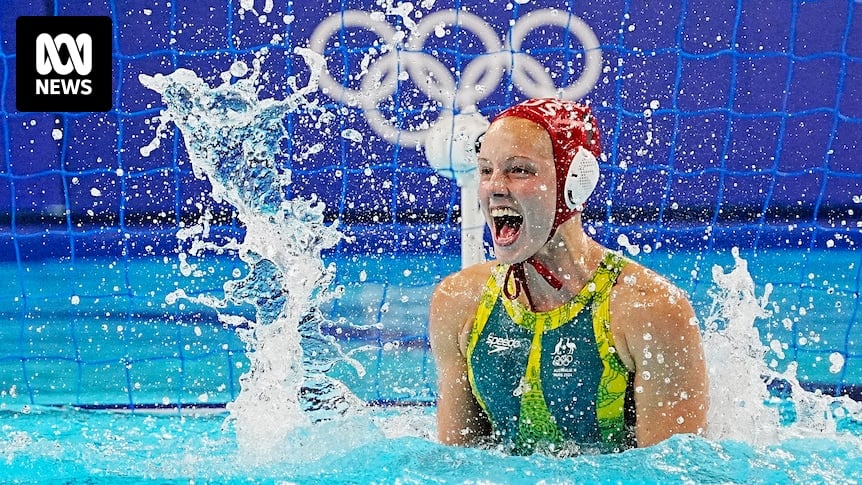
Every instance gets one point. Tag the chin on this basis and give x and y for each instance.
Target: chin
(510, 254)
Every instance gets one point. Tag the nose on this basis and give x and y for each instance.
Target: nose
(497, 185)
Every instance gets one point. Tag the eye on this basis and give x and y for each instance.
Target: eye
(521, 170)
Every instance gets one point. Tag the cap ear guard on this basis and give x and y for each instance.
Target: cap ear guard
(581, 180)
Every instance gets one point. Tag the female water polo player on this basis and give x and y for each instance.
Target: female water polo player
(559, 345)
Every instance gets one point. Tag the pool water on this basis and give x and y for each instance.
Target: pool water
(387, 446)
(175, 372)
(98, 332)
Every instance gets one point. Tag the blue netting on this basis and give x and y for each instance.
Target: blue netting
(724, 125)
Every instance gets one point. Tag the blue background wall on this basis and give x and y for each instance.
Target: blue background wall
(754, 139)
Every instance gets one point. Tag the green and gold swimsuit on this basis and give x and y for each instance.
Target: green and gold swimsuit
(551, 381)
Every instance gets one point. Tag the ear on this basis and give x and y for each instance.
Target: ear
(581, 180)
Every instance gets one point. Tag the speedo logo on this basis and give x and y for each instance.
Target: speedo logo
(501, 344)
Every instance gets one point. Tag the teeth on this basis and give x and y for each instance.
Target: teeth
(503, 212)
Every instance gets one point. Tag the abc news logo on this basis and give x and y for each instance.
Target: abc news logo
(63, 64)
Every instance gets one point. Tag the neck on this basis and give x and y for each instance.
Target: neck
(572, 257)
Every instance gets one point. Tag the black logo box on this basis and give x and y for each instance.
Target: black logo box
(99, 79)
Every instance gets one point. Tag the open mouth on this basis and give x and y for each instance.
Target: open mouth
(507, 225)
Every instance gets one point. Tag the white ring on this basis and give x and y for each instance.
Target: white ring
(375, 82)
(530, 77)
(332, 24)
(588, 39)
(475, 74)
(429, 75)
(480, 78)
(436, 81)
(378, 83)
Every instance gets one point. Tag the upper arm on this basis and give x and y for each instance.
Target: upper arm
(664, 345)
(460, 420)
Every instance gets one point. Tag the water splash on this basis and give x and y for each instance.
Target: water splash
(741, 405)
(735, 358)
(233, 141)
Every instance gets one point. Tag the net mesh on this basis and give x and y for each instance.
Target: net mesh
(722, 127)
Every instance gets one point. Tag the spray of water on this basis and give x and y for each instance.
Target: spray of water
(741, 406)
(735, 358)
(233, 141)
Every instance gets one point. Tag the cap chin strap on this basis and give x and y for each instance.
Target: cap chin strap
(518, 276)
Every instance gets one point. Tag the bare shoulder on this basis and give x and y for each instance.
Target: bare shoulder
(455, 300)
(642, 289)
(647, 309)
(460, 420)
(466, 284)
(661, 344)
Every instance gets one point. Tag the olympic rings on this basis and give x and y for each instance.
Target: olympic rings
(562, 360)
(398, 61)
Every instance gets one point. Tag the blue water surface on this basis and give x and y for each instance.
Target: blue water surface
(73, 446)
(118, 387)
